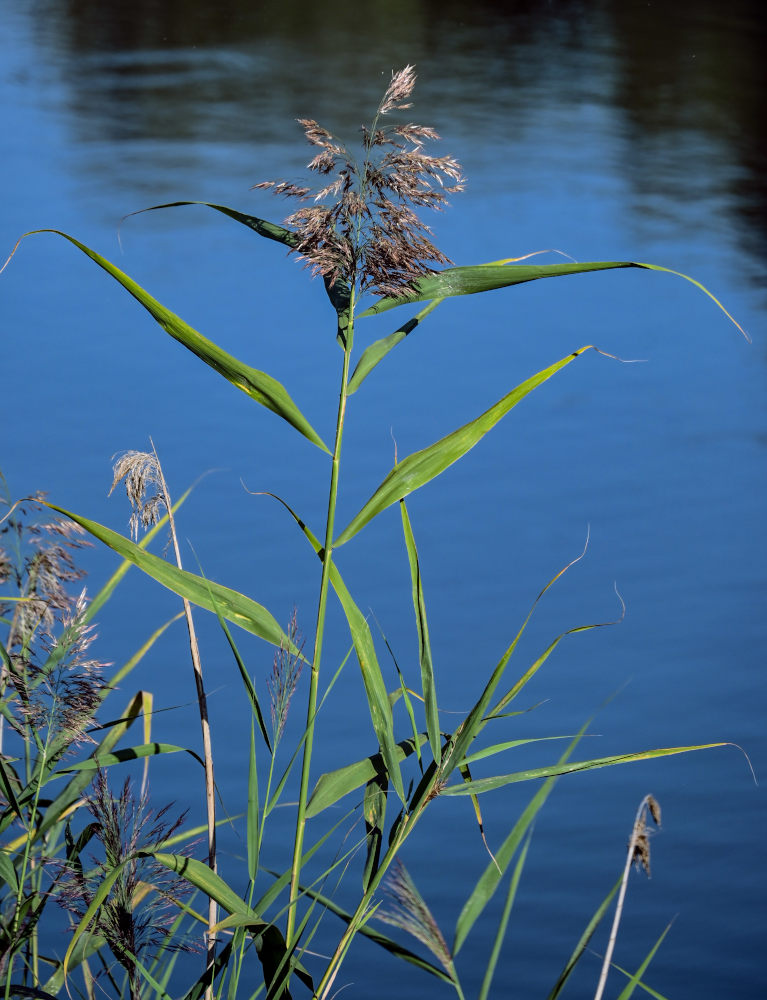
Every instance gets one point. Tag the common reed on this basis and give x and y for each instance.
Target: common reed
(357, 226)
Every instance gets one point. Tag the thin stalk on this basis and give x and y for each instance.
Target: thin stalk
(638, 831)
(27, 860)
(210, 786)
(345, 336)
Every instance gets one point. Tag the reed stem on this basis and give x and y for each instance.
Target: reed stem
(345, 337)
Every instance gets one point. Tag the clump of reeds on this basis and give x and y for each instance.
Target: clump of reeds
(136, 918)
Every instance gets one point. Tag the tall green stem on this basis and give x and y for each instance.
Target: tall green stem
(345, 337)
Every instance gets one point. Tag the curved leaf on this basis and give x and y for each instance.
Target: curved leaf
(254, 383)
(138, 752)
(333, 785)
(375, 688)
(231, 604)
(424, 646)
(489, 784)
(338, 292)
(490, 878)
(269, 230)
(474, 278)
(422, 466)
(377, 351)
(486, 277)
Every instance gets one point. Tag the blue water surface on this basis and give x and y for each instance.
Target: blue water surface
(593, 129)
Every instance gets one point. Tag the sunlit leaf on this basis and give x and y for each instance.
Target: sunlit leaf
(232, 605)
(481, 785)
(333, 785)
(422, 466)
(486, 277)
(254, 383)
(424, 646)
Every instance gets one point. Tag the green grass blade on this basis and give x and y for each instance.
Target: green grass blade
(489, 880)
(497, 748)
(333, 785)
(503, 923)
(422, 466)
(375, 688)
(583, 942)
(635, 980)
(338, 292)
(138, 752)
(376, 352)
(254, 383)
(484, 278)
(490, 784)
(374, 811)
(201, 877)
(235, 607)
(252, 831)
(424, 646)
(250, 689)
(643, 986)
(269, 230)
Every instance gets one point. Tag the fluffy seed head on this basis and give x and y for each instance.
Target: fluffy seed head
(359, 227)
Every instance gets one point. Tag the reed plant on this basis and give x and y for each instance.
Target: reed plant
(355, 225)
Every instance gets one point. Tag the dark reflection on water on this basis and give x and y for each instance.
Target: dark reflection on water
(604, 129)
(687, 81)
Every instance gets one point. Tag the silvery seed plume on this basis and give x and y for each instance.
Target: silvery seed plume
(133, 922)
(286, 670)
(410, 913)
(143, 485)
(57, 685)
(358, 225)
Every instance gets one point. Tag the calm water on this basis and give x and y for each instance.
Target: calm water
(607, 131)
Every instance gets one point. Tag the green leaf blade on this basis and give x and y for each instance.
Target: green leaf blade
(254, 383)
(472, 279)
(422, 466)
(215, 597)
(428, 686)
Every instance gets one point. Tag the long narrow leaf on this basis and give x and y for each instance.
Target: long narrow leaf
(471, 279)
(254, 383)
(636, 979)
(337, 291)
(375, 689)
(503, 923)
(490, 784)
(333, 785)
(486, 277)
(489, 880)
(583, 942)
(376, 352)
(233, 606)
(422, 466)
(424, 646)
(127, 753)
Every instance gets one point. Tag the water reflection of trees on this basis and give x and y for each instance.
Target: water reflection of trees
(236, 69)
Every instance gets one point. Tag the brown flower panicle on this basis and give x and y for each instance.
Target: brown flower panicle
(359, 227)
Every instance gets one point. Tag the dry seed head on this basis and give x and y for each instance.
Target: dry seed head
(400, 88)
(361, 229)
(410, 913)
(640, 836)
(142, 476)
